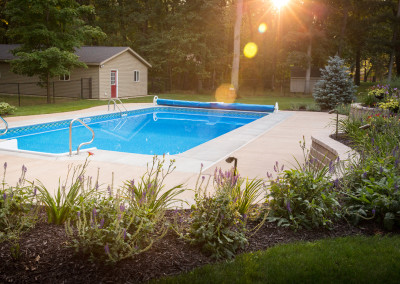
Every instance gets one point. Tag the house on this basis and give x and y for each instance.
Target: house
(298, 79)
(116, 72)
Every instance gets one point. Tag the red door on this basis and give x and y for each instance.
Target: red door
(114, 83)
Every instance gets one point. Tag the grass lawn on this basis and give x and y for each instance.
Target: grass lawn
(37, 105)
(342, 260)
(31, 105)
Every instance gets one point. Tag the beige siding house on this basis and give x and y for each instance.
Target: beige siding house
(112, 72)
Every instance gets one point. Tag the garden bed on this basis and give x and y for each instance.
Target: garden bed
(45, 258)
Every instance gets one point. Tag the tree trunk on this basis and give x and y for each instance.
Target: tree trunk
(357, 76)
(308, 71)
(236, 45)
(394, 39)
(344, 25)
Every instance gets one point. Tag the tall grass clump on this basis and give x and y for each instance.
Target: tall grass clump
(115, 226)
(303, 197)
(68, 196)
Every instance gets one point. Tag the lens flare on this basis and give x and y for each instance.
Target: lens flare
(279, 3)
(250, 50)
(225, 93)
(262, 28)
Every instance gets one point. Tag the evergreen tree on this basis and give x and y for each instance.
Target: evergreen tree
(335, 86)
(49, 31)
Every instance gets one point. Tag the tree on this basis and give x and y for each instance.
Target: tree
(236, 45)
(335, 86)
(49, 31)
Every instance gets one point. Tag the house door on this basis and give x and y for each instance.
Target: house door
(114, 83)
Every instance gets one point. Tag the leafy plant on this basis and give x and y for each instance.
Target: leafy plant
(68, 196)
(216, 224)
(18, 211)
(120, 226)
(304, 196)
(5, 108)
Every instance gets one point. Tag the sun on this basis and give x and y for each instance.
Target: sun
(279, 3)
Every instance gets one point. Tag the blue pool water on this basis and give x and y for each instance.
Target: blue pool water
(154, 131)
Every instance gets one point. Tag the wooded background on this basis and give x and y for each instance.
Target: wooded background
(190, 42)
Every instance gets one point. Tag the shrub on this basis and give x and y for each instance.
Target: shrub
(5, 108)
(115, 227)
(304, 196)
(18, 211)
(335, 86)
(216, 224)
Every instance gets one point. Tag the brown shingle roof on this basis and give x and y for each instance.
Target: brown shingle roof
(91, 55)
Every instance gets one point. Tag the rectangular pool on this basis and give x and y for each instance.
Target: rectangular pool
(151, 131)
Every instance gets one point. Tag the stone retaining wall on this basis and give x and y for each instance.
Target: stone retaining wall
(325, 149)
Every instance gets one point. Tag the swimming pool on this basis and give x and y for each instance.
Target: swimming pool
(151, 131)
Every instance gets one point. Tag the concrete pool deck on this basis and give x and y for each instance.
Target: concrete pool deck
(257, 146)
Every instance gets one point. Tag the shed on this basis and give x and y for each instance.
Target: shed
(298, 79)
(117, 72)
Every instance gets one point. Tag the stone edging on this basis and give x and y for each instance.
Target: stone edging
(359, 111)
(325, 149)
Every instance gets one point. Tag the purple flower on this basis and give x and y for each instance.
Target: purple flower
(34, 191)
(96, 186)
(124, 234)
(101, 223)
(5, 165)
(282, 167)
(365, 174)
(380, 170)
(107, 249)
(109, 190)
(119, 217)
(373, 211)
(4, 196)
(122, 207)
(94, 212)
(79, 214)
(203, 177)
(149, 186)
(80, 178)
(132, 183)
(288, 207)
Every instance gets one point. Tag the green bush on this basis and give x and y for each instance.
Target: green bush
(115, 227)
(303, 197)
(5, 108)
(216, 224)
(18, 211)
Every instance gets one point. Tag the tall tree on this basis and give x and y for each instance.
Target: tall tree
(236, 45)
(49, 31)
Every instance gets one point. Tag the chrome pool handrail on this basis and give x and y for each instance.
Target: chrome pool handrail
(70, 136)
(6, 129)
(115, 100)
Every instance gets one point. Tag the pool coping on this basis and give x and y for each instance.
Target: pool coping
(207, 154)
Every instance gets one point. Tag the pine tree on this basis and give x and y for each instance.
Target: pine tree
(335, 86)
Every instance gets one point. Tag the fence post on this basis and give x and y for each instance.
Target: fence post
(54, 93)
(90, 88)
(81, 88)
(19, 96)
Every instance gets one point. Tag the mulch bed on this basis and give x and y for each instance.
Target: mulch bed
(46, 259)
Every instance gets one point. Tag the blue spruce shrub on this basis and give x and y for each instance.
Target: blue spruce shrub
(335, 87)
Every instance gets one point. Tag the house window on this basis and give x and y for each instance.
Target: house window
(64, 77)
(136, 76)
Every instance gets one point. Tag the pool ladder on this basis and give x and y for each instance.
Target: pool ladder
(116, 101)
(70, 136)
(6, 129)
